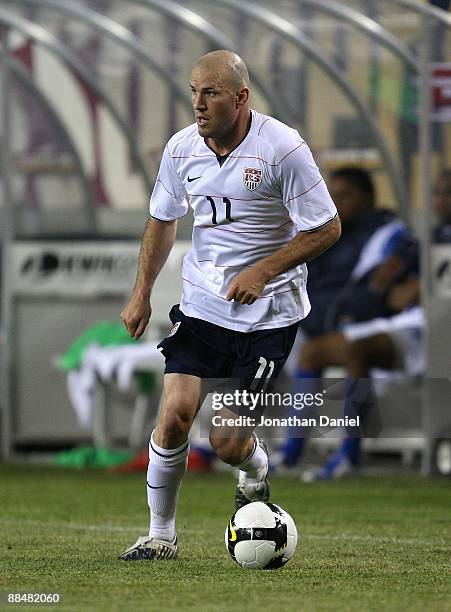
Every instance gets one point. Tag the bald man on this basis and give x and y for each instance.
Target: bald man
(261, 211)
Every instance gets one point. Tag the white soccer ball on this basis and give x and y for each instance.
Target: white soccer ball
(261, 536)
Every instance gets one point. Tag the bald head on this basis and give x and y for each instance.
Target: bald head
(220, 96)
(228, 65)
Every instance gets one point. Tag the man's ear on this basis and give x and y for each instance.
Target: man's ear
(242, 96)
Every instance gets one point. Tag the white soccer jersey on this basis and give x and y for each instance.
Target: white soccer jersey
(245, 208)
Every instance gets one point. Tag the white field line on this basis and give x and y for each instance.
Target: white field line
(341, 537)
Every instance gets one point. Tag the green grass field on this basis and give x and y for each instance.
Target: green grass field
(366, 544)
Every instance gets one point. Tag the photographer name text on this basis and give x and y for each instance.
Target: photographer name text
(291, 421)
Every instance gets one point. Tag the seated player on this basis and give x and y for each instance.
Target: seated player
(391, 343)
(350, 281)
(385, 343)
(261, 210)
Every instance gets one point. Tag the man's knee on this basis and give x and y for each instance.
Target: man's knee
(174, 422)
(178, 421)
(358, 353)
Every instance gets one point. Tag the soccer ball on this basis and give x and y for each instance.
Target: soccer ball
(261, 536)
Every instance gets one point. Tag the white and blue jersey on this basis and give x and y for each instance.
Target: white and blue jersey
(246, 206)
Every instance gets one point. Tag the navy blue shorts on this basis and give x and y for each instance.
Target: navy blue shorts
(206, 350)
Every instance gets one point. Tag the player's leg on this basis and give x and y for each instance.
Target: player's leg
(362, 354)
(168, 451)
(323, 351)
(168, 454)
(243, 450)
(257, 362)
(376, 351)
(315, 354)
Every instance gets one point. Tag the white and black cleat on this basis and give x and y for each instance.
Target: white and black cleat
(251, 490)
(147, 548)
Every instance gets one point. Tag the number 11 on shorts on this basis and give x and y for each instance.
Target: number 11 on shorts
(259, 375)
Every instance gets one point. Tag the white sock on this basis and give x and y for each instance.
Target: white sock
(164, 476)
(255, 466)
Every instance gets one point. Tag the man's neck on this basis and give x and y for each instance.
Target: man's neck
(223, 146)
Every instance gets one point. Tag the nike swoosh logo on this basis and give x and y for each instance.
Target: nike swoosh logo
(232, 532)
(190, 180)
(151, 487)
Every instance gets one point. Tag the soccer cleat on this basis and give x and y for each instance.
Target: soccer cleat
(147, 548)
(251, 490)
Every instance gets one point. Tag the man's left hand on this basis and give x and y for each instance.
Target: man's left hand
(247, 286)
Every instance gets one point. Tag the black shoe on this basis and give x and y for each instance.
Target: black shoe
(251, 490)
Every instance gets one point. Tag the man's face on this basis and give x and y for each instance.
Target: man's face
(442, 199)
(214, 103)
(350, 201)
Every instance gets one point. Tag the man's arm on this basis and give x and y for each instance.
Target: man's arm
(405, 294)
(246, 287)
(156, 244)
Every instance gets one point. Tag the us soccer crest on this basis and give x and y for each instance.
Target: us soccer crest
(252, 178)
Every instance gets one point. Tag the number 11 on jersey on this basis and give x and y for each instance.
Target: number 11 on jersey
(228, 209)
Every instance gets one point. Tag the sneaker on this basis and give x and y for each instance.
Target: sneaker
(147, 548)
(338, 467)
(251, 490)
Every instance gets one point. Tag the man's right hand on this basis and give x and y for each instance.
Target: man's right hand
(136, 315)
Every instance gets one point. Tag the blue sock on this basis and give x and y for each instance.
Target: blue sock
(292, 449)
(351, 448)
(305, 381)
(360, 402)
